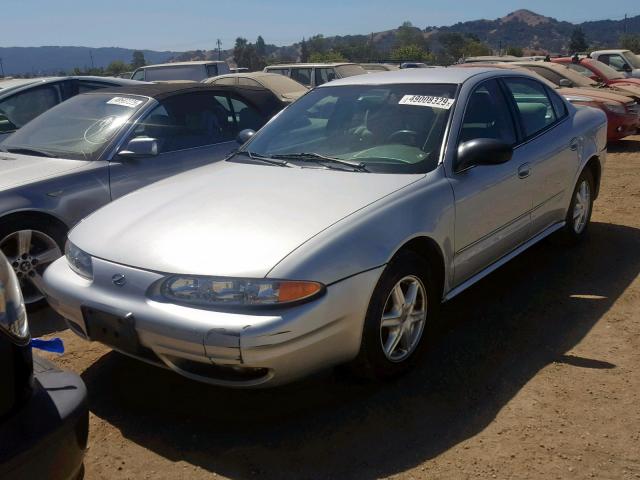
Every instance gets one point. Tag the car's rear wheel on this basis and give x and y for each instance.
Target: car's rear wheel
(580, 209)
(401, 312)
(30, 247)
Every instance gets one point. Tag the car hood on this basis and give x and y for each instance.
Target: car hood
(627, 88)
(596, 94)
(228, 219)
(16, 170)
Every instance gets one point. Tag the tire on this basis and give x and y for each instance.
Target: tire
(376, 359)
(579, 212)
(45, 241)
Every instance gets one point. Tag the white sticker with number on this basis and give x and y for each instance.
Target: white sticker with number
(427, 101)
(125, 102)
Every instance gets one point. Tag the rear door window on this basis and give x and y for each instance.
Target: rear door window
(324, 75)
(534, 107)
(212, 70)
(302, 75)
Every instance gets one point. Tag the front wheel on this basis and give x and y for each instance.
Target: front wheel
(30, 247)
(401, 312)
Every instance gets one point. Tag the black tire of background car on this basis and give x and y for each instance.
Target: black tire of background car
(371, 362)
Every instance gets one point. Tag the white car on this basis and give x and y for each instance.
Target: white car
(621, 60)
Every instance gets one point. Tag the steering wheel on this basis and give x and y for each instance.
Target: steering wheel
(406, 137)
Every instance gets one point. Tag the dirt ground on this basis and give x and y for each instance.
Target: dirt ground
(535, 375)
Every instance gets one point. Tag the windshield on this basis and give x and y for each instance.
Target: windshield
(78, 129)
(385, 128)
(608, 72)
(576, 78)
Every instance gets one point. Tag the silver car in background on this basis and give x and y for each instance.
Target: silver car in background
(335, 232)
(96, 147)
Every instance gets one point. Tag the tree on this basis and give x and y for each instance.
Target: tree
(578, 41)
(474, 48)
(317, 44)
(411, 53)
(261, 48)
(630, 42)
(304, 51)
(138, 60)
(246, 55)
(514, 51)
(407, 35)
(117, 67)
(326, 57)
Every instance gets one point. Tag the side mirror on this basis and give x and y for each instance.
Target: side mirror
(482, 151)
(139, 147)
(565, 82)
(244, 136)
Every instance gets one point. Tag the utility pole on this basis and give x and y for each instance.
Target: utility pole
(91, 56)
(219, 44)
(625, 23)
(1, 69)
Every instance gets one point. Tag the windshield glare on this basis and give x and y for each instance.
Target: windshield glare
(388, 128)
(79, 128)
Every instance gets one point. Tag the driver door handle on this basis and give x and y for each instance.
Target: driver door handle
(524, 170)
(573, 144)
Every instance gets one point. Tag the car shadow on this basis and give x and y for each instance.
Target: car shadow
(624, 146)
(495, 338)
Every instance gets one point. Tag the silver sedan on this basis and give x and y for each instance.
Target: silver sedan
(335, 232)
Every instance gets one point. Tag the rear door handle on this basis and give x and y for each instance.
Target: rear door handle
(524, 170)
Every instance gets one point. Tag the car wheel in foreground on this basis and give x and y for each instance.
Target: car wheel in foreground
(402, 309)
(579, 213)
(30, 248)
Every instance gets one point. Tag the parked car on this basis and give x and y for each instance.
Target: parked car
(623, 113)
(315, 74)
(600, 73)
(563, 76)
(286, 89)
(379, 67)
(414, 65)
(196, 71)
(335, 232)
(98, 146)
(44, 417)
(23, 99)
(621, 60)
(492, 59)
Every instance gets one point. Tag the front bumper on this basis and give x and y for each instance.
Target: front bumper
(47, 436)
(243, 349)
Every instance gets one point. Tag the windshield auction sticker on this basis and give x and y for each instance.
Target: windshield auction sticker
(125, 102)
(427, 101)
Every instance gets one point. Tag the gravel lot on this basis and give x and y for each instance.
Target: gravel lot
(535, 374)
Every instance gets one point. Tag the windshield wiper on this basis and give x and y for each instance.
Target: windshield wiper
(29, 151)
(326, 161)
(269, 160)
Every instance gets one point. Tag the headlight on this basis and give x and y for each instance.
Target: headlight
(13, 316)
(79, 261)
(237, 292)
(615, 108)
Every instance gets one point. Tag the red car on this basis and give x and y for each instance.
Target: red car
(601, 72)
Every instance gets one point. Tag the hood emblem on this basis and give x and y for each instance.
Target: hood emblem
(119, 279)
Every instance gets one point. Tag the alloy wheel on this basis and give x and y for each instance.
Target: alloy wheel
(582, 206)
(30, 252)
(403, 318)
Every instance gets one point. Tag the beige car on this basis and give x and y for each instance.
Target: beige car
(379, 67)
(286, 89)
(315, 74)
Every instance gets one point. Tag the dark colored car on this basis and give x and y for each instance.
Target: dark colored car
(44, 417)
(23, 99)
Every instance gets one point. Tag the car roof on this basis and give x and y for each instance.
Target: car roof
(617, 50)
(455, 75)
(179, 64)
(14, 85)
(291, 65)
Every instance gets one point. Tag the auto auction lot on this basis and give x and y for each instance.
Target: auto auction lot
(535, 374)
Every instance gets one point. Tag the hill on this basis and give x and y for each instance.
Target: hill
(52, 60)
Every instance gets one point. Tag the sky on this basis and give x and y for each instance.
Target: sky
(180, 25)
